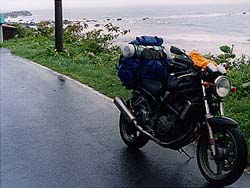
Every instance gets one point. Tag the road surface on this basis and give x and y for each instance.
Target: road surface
(57, 133)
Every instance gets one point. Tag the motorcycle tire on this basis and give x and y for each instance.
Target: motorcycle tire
(231, 156)
(130, 135)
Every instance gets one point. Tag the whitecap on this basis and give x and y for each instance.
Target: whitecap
(160, 22)
(131, 21)
(245, 41)
(196, 15)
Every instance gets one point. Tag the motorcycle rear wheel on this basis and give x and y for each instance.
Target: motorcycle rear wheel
(130, 135)
(231, 156)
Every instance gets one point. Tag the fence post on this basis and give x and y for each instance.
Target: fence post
(1, 33)
(1, 27)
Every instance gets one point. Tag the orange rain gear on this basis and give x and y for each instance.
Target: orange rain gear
(199, 60)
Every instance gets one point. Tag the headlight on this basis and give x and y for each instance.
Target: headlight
(222, 86)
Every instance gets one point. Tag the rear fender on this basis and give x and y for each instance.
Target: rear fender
(222, 121)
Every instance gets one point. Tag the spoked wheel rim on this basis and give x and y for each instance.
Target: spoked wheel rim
(226, 155)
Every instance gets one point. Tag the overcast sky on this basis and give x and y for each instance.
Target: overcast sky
(45, 4)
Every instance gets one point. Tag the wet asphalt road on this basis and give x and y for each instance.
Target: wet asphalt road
(61, 134)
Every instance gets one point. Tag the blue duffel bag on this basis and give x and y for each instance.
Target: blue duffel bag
(153, 69)
(129, 71)
(148, 63)
(148, 41)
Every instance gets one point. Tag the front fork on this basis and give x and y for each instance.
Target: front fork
(207, 116)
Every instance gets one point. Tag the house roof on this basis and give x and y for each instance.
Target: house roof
(9, 26)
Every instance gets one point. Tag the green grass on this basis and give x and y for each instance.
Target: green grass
(99, 72)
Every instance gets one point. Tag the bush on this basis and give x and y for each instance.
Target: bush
(73, 31)
(22, 31)
(101, 40)
(46, 29)
(229, 57)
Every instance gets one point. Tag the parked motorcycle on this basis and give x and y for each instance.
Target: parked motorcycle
(186, 107)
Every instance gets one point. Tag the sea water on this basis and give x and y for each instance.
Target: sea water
(200, 27)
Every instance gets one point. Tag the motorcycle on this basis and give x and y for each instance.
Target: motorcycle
(188, 107)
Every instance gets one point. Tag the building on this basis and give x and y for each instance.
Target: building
(9, 31)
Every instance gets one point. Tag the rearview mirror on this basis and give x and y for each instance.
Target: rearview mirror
(176, 51)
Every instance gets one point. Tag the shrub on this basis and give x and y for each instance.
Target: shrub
(229, 57)
(22, 31)
(46, 29)
(73, 31)
(102, 39)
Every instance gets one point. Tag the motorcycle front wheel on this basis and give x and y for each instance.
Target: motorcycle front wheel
(231, 156)
(130, 135)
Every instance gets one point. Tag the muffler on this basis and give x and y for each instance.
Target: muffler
(120, 104)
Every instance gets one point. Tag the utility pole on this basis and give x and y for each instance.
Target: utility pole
(58, 26)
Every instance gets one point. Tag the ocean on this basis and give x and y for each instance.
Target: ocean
(200, 27)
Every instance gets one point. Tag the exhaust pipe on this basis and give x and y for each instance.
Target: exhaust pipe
(120, 104)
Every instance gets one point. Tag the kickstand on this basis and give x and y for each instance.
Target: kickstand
(183, 151)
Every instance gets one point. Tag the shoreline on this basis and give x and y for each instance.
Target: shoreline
(204, 42)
